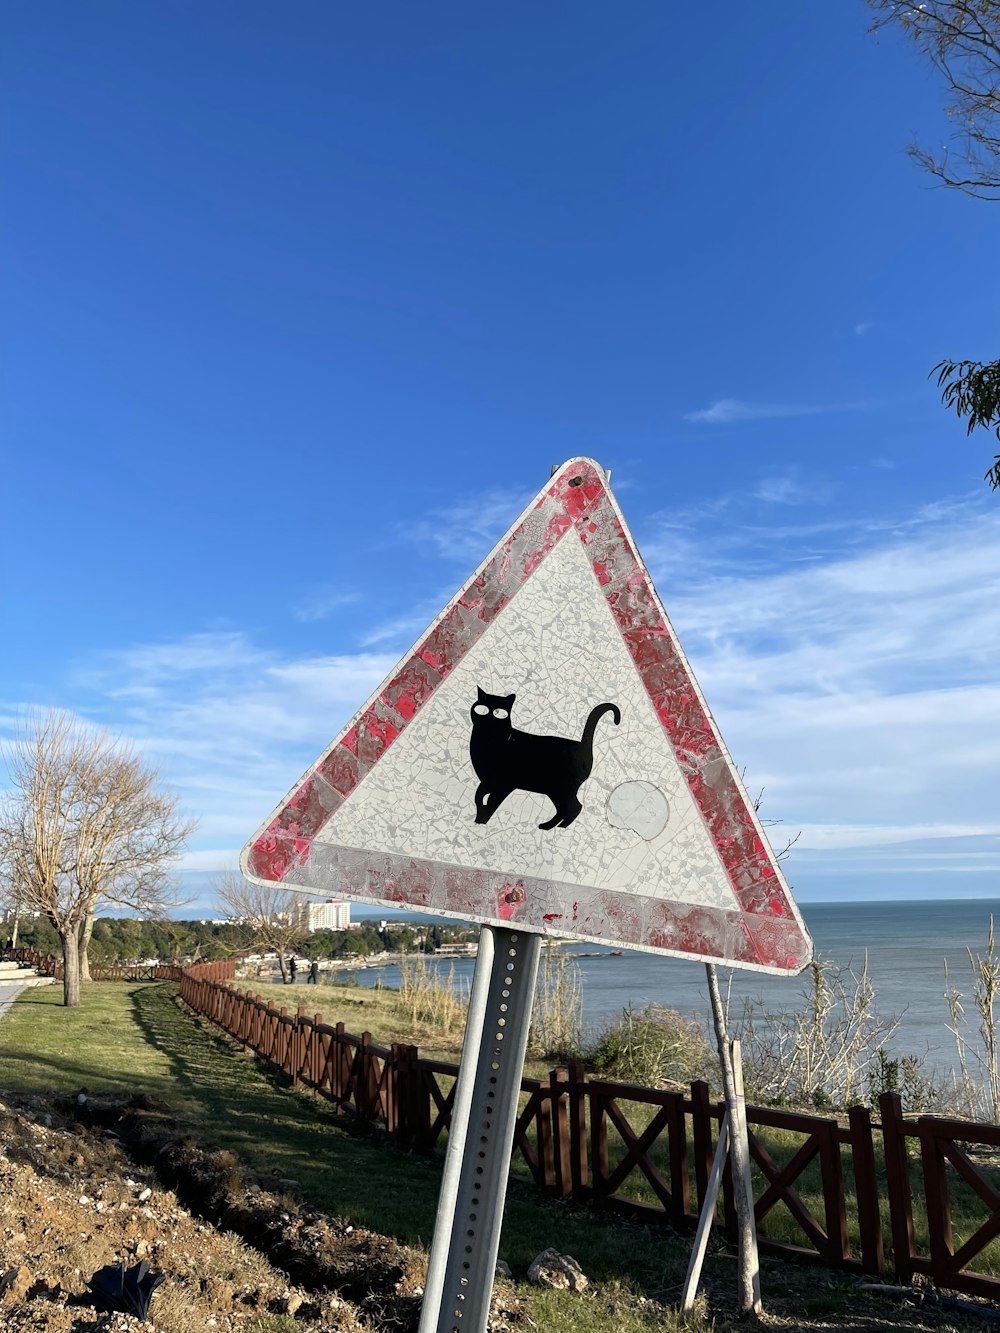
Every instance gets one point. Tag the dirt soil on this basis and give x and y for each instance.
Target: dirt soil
(73, 1200)
(101, 1179)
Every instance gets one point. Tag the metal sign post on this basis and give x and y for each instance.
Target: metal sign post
(470, 1206)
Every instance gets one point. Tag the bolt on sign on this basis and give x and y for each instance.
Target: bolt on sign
(543, 760)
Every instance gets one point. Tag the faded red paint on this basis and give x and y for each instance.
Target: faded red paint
(509, 899)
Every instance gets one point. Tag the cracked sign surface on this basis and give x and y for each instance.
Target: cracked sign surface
(543, 756)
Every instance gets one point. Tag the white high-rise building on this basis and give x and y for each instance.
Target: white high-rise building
(334, 914)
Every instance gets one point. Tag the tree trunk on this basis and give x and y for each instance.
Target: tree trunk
(17, 922)
(86, 931)
(71, 965)
(281, 965)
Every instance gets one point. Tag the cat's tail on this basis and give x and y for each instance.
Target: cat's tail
(596, 714)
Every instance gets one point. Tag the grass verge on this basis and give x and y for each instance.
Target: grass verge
(139, 1038)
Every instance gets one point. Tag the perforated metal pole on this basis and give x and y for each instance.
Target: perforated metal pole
(470, 1207)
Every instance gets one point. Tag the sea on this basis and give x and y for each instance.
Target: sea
(907, 946)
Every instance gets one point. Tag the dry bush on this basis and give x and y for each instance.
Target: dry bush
(976, 1081)
(429, 996)
(557, 1013)
(822, 1052)
(651, 1047)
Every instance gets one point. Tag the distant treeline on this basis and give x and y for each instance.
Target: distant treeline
(131, 939)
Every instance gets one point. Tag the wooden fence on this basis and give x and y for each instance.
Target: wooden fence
(48, 965)
(840, 1192)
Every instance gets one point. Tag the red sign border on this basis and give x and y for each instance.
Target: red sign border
(765, 933)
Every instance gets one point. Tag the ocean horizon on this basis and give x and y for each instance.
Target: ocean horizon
(907, 946)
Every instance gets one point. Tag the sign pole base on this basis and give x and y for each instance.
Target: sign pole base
(470, 1206)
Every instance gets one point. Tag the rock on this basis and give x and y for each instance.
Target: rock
(289, 1303)
(14, 1285)
(146, 1194)
(503, 1269)
(218, 1295)
(561, 1272)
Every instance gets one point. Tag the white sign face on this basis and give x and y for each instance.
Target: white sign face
(543, 757)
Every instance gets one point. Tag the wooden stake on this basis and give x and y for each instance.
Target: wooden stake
(706, 1219)
(739, 1149)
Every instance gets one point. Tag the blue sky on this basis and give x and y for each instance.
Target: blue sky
(302, 303)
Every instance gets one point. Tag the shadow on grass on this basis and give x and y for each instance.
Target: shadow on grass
(147, 1041)
(240, 1107)
(349, 1173)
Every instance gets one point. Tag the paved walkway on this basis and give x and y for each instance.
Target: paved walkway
(8, 994)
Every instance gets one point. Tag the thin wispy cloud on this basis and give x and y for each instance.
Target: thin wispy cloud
(399, 629)
(838, 836)
(864, 327)
(788, 489)
(469, 529)
(727, 411)
(321, 603)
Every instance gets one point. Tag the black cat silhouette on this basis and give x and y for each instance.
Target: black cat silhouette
(506, 759)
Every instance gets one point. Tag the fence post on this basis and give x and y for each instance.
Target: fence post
(599, 1166)
(834, 1203)
(680, 1189)
(279, 1051)
(407, 1124)
(560, 1133)
(298, 1046)
(701, 1137)
(390, 1077)
(341, 1065)
(866, 1190)
(543, 1132)
(314, 1053)
(578, 1130)
(898, 1181)
(363, 1080)
(939, 1232)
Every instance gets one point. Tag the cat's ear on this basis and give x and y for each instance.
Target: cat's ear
(510, 701)
(482, 694)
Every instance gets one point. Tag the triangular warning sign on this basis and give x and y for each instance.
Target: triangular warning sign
(544, 757)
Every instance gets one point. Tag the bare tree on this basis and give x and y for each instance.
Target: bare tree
(84, 823)
(961, 39)
(268, 916)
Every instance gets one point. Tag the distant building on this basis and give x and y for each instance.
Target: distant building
(331, 915)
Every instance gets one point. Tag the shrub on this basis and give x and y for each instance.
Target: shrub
(920, 1092)
(651, 1047)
